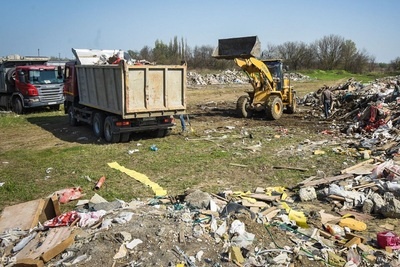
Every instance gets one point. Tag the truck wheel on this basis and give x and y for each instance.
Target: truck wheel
(125, 137)
(17, 106)
(274, 108)
(292, 108)
(98, 124)
(243, 107)
(71, 117)
(108, 131)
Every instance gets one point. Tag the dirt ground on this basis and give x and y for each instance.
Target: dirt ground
(162, 228)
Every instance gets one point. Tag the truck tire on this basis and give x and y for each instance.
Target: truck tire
(71, 117)
(98, 124)
(242, 107)
(109, 136)
(274, 108)
(292, 108)
(17, 106)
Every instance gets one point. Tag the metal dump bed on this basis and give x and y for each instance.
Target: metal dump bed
(133, 91)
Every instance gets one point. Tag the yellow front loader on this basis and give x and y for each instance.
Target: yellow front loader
(272, 92)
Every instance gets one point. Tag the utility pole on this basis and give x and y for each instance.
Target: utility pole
(38, 52)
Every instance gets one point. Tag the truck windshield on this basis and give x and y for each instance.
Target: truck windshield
(44, 77)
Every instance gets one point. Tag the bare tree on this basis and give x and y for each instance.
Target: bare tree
(329, 51)
(293, 53)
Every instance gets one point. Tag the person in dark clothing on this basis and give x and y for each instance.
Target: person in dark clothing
(326, 99)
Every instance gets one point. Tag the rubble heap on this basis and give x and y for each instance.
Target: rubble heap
(228, 77)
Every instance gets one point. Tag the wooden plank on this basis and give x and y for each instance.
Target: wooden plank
(29, 263)
(258, 204)
(328, 180)
(264, 197)
(24, 215)
(57, 243)
(47, 245)
(349, 169)
(290, 168)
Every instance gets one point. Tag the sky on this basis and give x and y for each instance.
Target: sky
(53, 27)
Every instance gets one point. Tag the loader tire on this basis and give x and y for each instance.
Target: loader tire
(274, 108)
(243, 107)
(292, 108)
(109, 135)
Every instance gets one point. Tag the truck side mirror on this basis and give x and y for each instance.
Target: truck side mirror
(21, 76)
(59, 72)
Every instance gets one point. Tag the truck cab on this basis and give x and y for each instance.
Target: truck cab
(28, 83)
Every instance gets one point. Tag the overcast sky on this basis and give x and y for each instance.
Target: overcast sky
(53, 27)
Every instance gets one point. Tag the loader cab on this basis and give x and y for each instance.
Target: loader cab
(275, 67)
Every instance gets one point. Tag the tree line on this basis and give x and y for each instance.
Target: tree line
(327, 53)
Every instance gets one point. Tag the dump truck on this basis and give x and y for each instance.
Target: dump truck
(118, 97)
(271, 92)
(27, 82)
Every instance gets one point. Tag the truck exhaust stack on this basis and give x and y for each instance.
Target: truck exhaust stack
(241, 47)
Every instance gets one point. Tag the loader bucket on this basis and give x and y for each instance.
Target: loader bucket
(242, 47)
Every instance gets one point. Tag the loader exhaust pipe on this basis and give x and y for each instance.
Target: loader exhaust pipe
(241, 47)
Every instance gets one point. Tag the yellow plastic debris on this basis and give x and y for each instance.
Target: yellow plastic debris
(236, 254)
(353, 224)
(319, 152)
(335, 260)
(298, 216)
(244, 195)
(277, 189)
(158, 190)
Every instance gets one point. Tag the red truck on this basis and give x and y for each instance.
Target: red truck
(28, 82)
(117, 97)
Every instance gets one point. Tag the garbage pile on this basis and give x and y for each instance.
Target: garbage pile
(228, 77)
(265, 227)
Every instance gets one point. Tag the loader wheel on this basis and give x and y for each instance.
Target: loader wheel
(98, 124)
(292, 108)
(243, 107)
(274, 108)
(109, 136)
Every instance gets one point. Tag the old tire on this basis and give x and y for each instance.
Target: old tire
(109, 134)
(292, 108)
(71, 117)
(243, 107)
(98, 124)
(125, 137)
(17, 106)
(274, 108)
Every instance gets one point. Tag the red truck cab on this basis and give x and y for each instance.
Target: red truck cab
(28, 83)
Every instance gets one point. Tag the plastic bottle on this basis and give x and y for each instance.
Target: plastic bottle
(153, 148)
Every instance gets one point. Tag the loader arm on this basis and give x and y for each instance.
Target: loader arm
(260, 77)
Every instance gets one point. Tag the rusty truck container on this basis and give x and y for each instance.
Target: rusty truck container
(133, 91)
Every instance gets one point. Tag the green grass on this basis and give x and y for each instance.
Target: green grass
(41, 154)
(334, 75)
